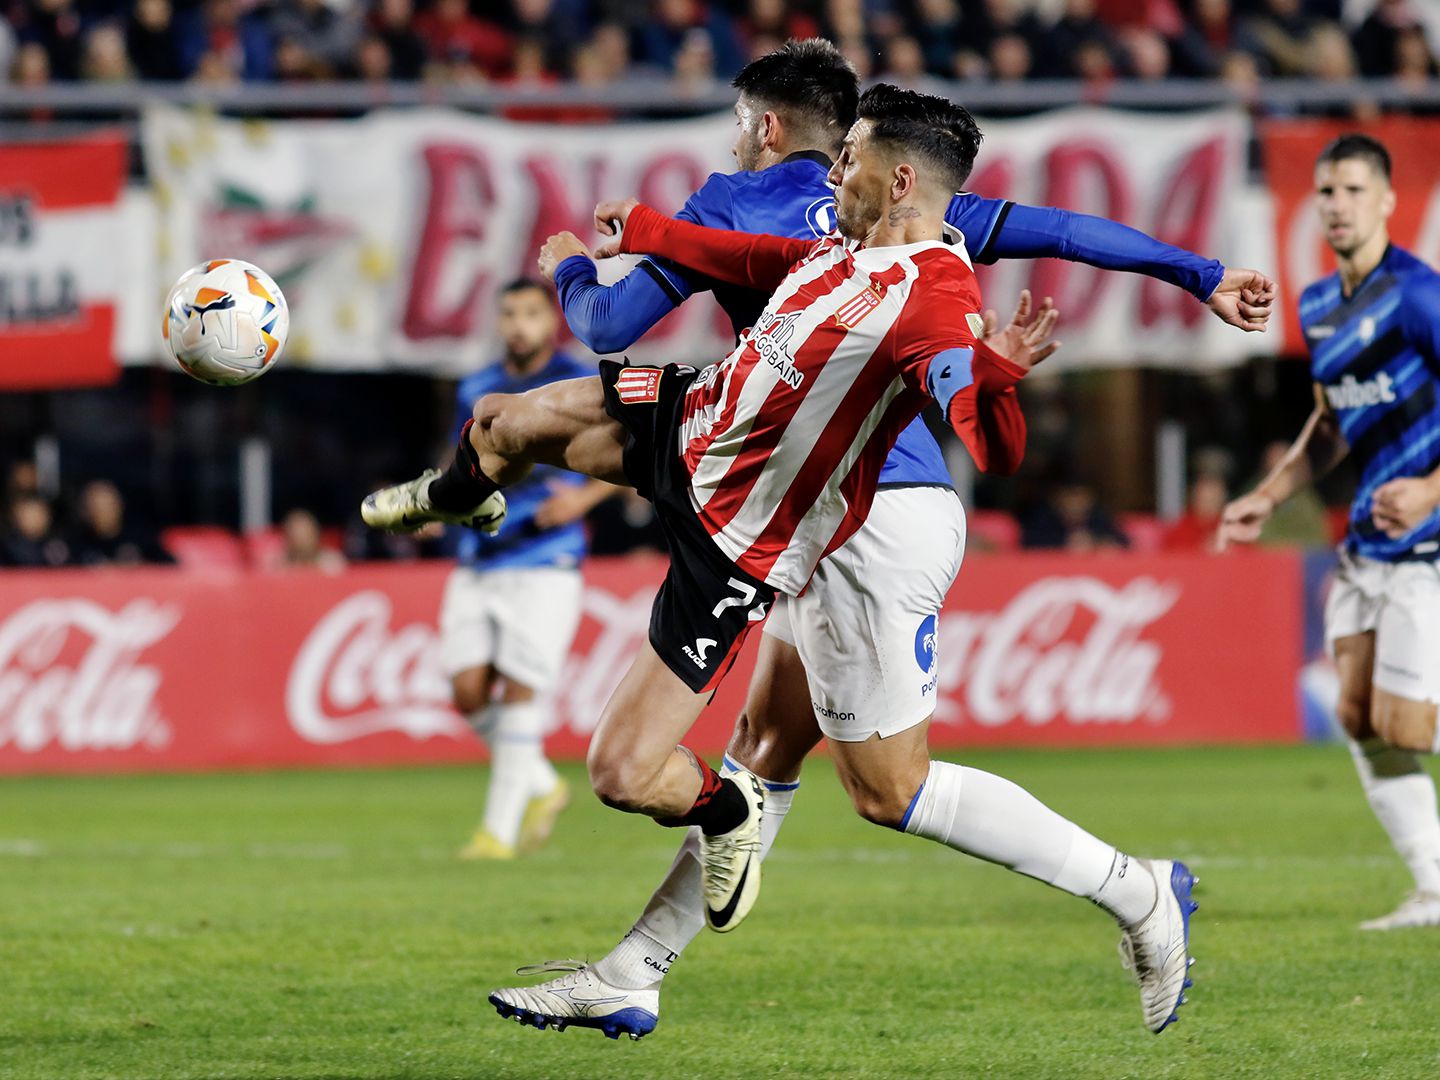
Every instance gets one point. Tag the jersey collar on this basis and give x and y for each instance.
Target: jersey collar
(808, 155)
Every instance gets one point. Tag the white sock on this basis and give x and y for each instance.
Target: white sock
(1402, 794)
(676, 911)
(518, 769)
(991, 818)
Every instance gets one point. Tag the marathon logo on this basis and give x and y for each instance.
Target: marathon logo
(826, 713)
(1351, 393)
(638, 386)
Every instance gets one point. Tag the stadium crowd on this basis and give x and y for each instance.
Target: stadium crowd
(596, 42)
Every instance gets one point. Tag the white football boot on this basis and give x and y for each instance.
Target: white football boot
(406, 507)
(1420, 908)
(1157, 948)
(579, 998)
(730, 861)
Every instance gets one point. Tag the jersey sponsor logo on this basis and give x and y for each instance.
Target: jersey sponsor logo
(820, 216)
(1351, 393)
(638, 386)
(976, 324)
(1319, 333)
(824, 712)
(771, 338)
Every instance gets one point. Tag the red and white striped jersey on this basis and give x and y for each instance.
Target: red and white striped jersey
(784, 439)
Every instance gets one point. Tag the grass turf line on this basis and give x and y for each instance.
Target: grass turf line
(313, 925)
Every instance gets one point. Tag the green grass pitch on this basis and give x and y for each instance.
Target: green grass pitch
(314, 925)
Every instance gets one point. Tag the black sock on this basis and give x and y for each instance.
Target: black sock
(726, 809)
(462, 486)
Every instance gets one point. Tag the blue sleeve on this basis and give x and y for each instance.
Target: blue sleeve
(1420, 318)
(611, 318)
(1033, 232)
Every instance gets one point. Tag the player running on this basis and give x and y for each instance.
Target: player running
(1373, 328)
(512, 605)
(781, 446)
(793, 109)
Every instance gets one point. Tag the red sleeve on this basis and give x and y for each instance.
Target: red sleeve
(973, 385)
(755, 261)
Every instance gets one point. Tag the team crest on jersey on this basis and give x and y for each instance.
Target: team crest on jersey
(852, 313)
(638, 385)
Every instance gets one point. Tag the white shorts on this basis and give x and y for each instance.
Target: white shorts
(866, 627)
(522, 621)
(1401, 603)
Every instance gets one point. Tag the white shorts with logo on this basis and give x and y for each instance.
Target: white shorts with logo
(1401, 603)
(866, 627)
(520, 620)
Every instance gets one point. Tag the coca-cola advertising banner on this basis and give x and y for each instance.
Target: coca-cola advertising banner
(61, 262)
(1291, 147)
(391, 234)
(176, 669)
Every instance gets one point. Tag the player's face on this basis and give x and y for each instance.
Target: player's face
(747, 138)
(1355, 201)
(527, 325)
(860, 182)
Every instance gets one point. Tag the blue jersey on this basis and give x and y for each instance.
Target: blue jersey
(521, 543)
(1376, 355)
(793, 199)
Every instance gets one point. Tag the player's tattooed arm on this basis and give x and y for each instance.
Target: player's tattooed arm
(1318, 449)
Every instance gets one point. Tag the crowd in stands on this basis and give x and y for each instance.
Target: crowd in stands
(597, 42)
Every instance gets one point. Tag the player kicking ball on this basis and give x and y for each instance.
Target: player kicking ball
(776, 452)
(1373, 329)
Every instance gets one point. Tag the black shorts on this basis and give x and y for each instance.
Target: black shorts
(707, 604)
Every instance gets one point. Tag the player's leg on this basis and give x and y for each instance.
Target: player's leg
(1392, 674)
(562, 423)
(775, 731)
(893, 782)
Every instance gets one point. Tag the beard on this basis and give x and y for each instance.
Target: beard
(855, 217)
(747, 153)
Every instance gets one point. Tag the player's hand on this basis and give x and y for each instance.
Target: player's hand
(1244, 298)
(557, 249)
(1243, 519)
(1025, 341)
(1400, 505)
(610, 218)
(567, 503)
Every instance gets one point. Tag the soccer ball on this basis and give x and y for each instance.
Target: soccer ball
(225, 322)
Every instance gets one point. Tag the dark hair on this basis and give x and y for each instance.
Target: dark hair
(810, 79)
(523, 283)
(944, 135)
(1354, 146)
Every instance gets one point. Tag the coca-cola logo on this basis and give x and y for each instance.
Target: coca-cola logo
(1065, 648)
(355, 676)
(71, 676)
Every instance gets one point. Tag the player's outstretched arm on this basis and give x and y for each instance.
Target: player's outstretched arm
(607, 318)
(1319, 445)
(753, 260)
(1242, 298)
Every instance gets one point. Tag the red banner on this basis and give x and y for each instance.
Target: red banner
(175, 669)
(1291, 147)
(60, 262)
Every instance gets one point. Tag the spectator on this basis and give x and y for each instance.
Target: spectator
(318, 39)
(23, 478)
(30, 538)
(1241, 73)
(55, 25)
(679, 25)
(1378, 37)
(237, 44)
(695, 63)
(103, 536)
(464, 45)
(1075, 43)
(1300, 519)
(558, 31)
(304, 545)
(612, 51)
(1414, 64)
(392, 22)
(1010, 58)
(373, 63)
(1194, 530)
(106, 59)
(774, 20)
(939, 28)
(1282, 30)
(904, 61)
(1072, 519)
(152, 41)
(8, 45)
(1146, 53)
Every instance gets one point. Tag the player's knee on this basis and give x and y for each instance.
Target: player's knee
(881, 806)
(618, 783)
(495, 416)
(1354, 717)
(470, 691)
(1407, 733)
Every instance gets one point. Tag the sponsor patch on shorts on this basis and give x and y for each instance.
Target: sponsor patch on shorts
(638, 385)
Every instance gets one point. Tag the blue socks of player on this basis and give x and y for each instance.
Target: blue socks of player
(462, 486)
